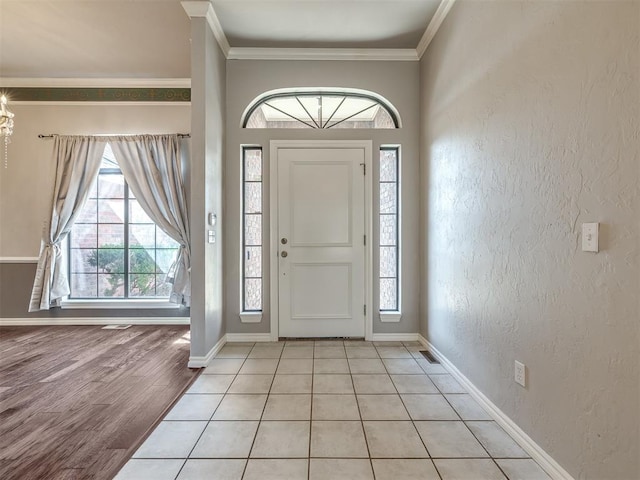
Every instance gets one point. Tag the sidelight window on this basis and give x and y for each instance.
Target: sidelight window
(389, 253)
(251, 229)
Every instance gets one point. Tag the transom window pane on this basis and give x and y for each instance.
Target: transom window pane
(321, 110)
(389, 216)
(115, 249)
(252, 229)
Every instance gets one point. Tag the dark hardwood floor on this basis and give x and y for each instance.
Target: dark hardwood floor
(76, 402)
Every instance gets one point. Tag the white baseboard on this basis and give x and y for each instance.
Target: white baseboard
(395, 337)
(543, 459)
(248, 337)
(49, 321)
(202, 362)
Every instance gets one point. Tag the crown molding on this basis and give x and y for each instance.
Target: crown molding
(390, 54)
(434, 26)
(96, 82)
(205, 9)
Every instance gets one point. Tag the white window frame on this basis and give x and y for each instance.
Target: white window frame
(393, 316)
(250, 316)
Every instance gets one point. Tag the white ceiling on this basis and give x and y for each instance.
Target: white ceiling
(325, 23)
(150, 38)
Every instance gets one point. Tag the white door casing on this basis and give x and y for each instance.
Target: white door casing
(321, 205)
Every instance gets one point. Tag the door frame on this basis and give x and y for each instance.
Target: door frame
(275, 145)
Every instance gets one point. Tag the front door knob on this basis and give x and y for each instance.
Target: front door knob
(283, 241)
(284, 254)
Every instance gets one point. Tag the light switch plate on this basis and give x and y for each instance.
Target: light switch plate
(590, 237)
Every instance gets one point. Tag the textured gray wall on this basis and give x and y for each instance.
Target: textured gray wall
(530, 114)
(396, 81)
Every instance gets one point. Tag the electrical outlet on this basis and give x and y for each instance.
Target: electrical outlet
(520, 376)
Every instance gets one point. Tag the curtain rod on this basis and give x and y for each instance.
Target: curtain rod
(51, 135)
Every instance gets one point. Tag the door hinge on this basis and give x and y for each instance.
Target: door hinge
(365, 309)
(365, 239)
(364, 168)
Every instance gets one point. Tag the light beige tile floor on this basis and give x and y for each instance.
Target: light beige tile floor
(328, 410)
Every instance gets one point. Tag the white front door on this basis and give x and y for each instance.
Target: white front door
(321, 251)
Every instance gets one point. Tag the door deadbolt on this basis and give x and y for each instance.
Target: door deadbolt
(283, 241)
(284, 254)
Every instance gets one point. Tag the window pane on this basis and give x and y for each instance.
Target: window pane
(164, 259)
(252, 294)
(253, 229)
(388, 165)
(84, 285)
(142, 285)
(111, 260)
(93, 192)
(141, 261)
(165, 241)
(253, 165)
(388, 200)
(89, 212)
(111, 211)
(253, 197)
(111, 235)
(142, 236)
(136, 213)
(388, 230)
(383, 119)
(388, 294)
(110, 186)
(84, 261)
(111, 285)
(84, 236)
(163, 288)
(388, 262)
(253, 262)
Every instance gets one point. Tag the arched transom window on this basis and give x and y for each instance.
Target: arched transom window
(320, 108)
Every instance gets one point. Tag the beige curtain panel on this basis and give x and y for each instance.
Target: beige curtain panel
(77, 161)
(152, 168)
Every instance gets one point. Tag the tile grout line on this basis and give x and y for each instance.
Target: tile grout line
(212, 414)
(364, 433)
(313, 366)
(255, 435)
(410, 417)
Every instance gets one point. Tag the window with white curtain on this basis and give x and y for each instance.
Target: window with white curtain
(389, 252)
(115, 250)
(251, 229)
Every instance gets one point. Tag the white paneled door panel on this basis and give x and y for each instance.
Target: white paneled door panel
(321, 266)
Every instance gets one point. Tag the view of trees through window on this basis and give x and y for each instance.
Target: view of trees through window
(115, 249)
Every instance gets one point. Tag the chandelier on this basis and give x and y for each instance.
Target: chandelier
(6, 125)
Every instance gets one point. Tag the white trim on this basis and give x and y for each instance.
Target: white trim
(203, 361)
(250, 317)
(117, 304)
(434, 26)
(105, 103)
(390, 317)
(249, 337)
(48, 321)
(205, 9)
(96, 82)
(375, 54)
(19, 259)
(395, 337)
(367, 145)
(536, 452)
